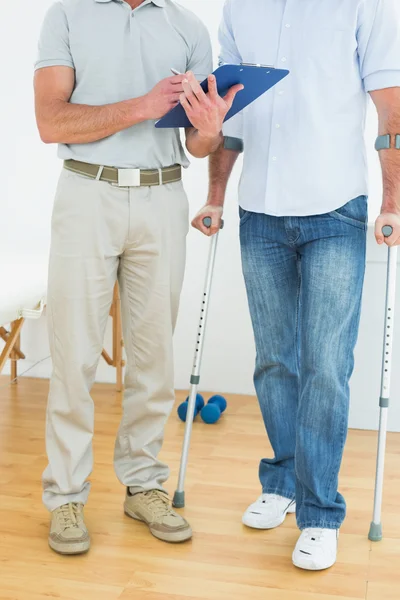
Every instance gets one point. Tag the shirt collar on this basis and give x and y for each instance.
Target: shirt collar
(160, 3)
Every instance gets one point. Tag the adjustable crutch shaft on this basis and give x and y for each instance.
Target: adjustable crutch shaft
(375, 532)
(179, 496)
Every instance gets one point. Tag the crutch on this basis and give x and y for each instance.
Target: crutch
(179, 496)
(375, 532)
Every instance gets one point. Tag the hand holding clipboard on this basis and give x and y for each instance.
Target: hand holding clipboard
(206, 111)
(254, 80)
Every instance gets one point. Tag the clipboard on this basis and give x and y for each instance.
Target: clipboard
(256, 79)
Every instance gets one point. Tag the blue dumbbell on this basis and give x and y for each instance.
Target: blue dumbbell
(182, 409)
(213, 409)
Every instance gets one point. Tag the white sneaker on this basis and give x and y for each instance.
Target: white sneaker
(316, 549)
(268, 511)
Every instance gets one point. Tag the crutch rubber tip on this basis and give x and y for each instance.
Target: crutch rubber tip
(375, 532)
(179, 499)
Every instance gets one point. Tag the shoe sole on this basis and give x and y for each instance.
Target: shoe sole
(255, 523)
(311, 565)
(172, 538)
(69, 549)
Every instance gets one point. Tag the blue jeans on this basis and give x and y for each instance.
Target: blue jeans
(304, 278)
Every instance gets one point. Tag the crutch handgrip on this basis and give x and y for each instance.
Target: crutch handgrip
(207, 222)
(387, 230)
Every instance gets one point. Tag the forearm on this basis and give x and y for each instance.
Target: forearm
(390, 162)
(200, 146)
(389, 122)
(67, 123)
(220, 169)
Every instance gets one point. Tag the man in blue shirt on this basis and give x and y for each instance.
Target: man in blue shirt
(303, 207)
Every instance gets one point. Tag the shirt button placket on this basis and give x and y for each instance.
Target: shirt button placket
(138, 74)
(272, 191)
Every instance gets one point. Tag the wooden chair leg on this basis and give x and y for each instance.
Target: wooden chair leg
(107, 358)
(12, 340)
(14, 357)
(4, 334)
(117, 338)
(116, 360)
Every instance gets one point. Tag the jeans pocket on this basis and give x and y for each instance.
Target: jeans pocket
(353, 213)
(244, 215)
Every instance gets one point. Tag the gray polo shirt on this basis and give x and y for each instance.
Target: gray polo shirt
(119, 53)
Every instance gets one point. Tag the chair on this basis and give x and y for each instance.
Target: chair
(12, 339)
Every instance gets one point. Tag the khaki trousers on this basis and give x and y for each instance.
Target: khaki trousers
(99, 233)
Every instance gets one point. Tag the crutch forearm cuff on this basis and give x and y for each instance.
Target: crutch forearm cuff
(233, 143)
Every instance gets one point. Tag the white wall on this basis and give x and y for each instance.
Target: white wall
(29, 174)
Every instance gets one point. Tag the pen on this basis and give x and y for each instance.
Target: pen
(175, 72)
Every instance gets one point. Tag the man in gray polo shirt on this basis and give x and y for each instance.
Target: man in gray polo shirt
(103, 76)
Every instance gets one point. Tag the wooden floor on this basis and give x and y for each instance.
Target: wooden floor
(225, 560)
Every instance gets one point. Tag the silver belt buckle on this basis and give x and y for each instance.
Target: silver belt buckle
(128, 177)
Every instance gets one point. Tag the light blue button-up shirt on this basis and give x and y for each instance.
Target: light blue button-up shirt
(304, 150)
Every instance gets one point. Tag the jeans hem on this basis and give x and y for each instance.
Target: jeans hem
(319, 525)
(278, 492)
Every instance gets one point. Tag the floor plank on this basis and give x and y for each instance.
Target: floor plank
(225, 560)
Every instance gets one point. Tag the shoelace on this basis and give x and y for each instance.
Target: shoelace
(68, 515)
(314, 535)
(160, 503)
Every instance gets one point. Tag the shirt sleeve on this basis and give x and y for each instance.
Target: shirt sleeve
(201, 59)
(378, 39)
(229, 54)
(54, 47)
